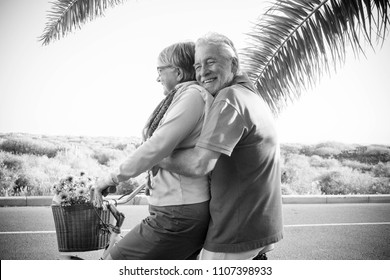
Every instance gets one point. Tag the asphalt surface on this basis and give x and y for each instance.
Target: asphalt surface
(357, 231)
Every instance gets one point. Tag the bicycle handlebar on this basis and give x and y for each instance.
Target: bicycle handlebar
(126, 198)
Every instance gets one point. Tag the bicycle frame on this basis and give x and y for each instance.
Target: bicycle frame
(120, 217)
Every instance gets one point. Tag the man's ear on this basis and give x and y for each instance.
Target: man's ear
(234, 65)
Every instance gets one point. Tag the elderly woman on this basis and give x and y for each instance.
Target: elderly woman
(178, 205)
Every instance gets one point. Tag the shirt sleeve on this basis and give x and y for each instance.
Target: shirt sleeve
(180, 120)
(223, 128)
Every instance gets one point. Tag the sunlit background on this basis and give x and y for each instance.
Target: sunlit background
(101, 80)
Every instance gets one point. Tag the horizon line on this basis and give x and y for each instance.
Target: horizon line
(139, 137)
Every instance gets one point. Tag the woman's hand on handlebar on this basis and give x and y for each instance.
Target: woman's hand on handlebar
(103, 187)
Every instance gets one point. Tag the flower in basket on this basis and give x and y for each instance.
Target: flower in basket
(73, 190)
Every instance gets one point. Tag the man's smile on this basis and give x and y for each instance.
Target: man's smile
(209, 81)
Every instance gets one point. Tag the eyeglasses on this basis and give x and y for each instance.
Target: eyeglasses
(161, 68)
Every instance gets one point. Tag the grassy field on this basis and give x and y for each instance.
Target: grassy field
(32, 164)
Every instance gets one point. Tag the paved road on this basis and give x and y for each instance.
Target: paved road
(312, 232)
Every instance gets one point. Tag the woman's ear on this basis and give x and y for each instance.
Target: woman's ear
(180, 74)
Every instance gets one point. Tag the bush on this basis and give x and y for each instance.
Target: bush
(345, 181)
(120, 146)
(75, 162)
(377, 150)
(380, 186)
(317, 161)
(31, 182)
(326, 152)
(334, 145)
(31, 147)
(7, 178)
(307, 150)
(286, 189)
(292, 166)
(10, 161)
(382, 170)
(23, 185)
(356, 165)
(288, 149)
(104, 156)
(298, 177)
(374, 154)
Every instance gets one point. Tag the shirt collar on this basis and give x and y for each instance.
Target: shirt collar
(186, 84)
(244, 81)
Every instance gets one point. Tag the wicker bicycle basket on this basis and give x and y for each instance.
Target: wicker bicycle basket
(81, 227)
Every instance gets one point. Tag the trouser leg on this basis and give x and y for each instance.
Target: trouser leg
(247, 255)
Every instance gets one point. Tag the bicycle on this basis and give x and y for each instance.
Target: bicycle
(119, 217)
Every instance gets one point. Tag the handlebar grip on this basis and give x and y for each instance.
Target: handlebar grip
(110, 189)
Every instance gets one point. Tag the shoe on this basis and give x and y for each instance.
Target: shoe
(261, 257)
(262, 254)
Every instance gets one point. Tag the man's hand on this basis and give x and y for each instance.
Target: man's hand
(103, 187)
(193, 162)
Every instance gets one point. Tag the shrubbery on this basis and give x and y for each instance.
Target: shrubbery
(362, 167)
(382, 170)
(345, 181)
(335, 168)
(31, 165)
(319, 162)
(104, 155)
(380, 186)
(30, 147)
(298, 177)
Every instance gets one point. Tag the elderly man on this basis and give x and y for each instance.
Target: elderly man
(239, 147)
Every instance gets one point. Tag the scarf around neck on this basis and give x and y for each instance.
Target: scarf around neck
(151, 125)
(157, 115)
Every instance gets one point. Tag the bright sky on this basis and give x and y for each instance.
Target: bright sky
(101, 80)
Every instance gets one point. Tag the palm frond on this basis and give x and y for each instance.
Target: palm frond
(66, 15)
(295, 41)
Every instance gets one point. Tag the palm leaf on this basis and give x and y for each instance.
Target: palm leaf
(295, 41)
(66, 15)
(289, 47)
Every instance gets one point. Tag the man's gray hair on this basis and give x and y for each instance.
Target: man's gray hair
(224, 43)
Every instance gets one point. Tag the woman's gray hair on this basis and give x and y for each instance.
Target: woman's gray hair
(180, 55)
(223, 43)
